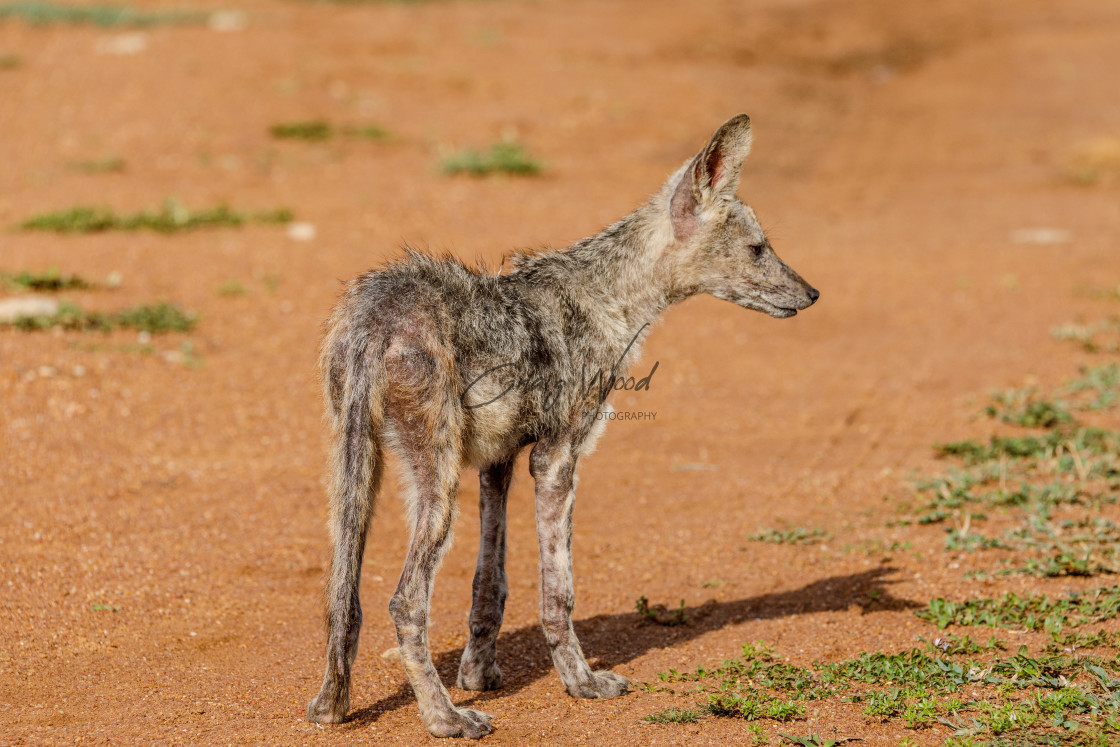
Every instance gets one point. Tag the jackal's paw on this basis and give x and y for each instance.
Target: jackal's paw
(328, 708)
(603, 684)
(462, 722)
(475, 675)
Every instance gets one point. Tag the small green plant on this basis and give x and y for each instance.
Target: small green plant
(1031, 612)
(105, 607)
(795, 536)
(42, 13)
(752, 705)
(367, 132)
(501, 158)
(47, 281)
(320, 130)
(1103, 381)
(674, 716)
(660, 614)
(173, 217)
(315, 130)
(104, 165)
(815, 741)
(1102, 336)
(1022, 407)
(10, 62)
(155, 319)
(231, 288)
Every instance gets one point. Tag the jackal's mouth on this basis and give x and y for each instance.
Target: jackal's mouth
(780, 312)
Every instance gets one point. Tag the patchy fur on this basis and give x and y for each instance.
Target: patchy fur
(449, 365)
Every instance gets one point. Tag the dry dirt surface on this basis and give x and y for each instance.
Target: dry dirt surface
(945, 173)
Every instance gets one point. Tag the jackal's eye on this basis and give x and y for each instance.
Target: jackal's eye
(756, 250)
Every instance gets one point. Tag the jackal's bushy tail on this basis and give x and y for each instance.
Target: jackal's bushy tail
(354, 381)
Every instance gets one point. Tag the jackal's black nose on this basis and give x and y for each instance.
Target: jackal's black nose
(814, 294)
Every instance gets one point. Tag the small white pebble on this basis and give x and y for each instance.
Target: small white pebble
(114, 279)
(144, 337)
(47, 371)
(1041, 236)
(226, 21)
(122, 44)
(79, 371)
(302, 231)
(286, 307)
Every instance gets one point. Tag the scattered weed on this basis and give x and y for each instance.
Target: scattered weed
(42, 13)
(953, 645)
(795, 536)
(1102, 336)
(1031, 612)
(660, 614)
(367, 132)
(1103, 381)
(155, 319)
(919, 688)
(47, 281)
(315, 130)
(231, 288)
(105, 607)
(105, 165)
(816, 741)
(171, 218)
(501, 158)
(320, 130)
(1022, 407)
(10, 62)
(752, 705)
(674, 716)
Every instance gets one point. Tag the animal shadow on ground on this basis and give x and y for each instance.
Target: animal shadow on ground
(620, 638)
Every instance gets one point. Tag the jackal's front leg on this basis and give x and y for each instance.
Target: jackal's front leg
(553, 468)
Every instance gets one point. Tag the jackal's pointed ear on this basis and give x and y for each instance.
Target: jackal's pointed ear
(716, 170)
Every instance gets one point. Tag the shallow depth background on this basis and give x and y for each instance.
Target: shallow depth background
(907, 157)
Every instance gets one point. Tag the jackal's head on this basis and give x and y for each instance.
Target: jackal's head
(718, 246)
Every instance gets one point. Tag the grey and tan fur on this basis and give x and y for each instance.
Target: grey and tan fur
(451, 366)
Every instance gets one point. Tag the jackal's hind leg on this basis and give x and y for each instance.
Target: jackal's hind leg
(354, 485)
(554, 471)
(478, 669)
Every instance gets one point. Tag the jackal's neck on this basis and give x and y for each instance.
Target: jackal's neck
(617, 278)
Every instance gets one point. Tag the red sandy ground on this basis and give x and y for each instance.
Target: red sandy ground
(897, 147)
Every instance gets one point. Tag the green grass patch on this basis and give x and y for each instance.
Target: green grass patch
(795, 536)
(1102, 336)
(1029, 612)
(500, 158)
(660, 614)
(231, 289)
(813, 740)
(48, 281)
(314, 131)
(40, 13)
(1030, 697)
(675, 716)
(155, 318)
(1022, 407)
(173, 217)
(320, 130)
(104, 165)
(10, 62)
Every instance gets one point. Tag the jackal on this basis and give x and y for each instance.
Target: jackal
(449, 365)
